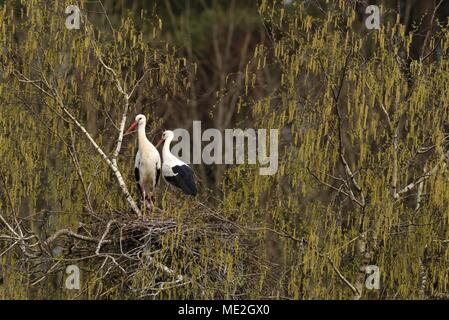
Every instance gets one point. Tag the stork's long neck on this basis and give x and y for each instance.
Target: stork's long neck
(166, 154)
(142, 137)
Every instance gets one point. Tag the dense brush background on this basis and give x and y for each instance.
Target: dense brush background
(342, 96)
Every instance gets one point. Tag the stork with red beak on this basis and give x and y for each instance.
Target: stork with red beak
(147, 167)
(175, 171)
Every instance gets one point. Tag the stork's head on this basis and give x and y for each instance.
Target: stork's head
(166, 135)
(140, 120)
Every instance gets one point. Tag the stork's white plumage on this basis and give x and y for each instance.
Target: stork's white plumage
(175, 171)
(147, 167)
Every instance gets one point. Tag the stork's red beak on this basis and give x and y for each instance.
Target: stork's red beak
(131, 128)
(159, 143)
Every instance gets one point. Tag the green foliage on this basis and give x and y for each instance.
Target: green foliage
(337, 99)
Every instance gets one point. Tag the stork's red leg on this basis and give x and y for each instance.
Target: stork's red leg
(142, 191)
(150, 201)
(142, 188)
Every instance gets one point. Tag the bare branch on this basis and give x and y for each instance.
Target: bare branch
(102, 240)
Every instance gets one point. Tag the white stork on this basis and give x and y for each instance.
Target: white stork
(147, 167)
(175, 171)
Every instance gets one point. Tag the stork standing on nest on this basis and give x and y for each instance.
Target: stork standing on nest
(175, 171)
(147, 167)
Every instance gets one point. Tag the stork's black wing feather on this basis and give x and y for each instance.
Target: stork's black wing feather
(173, 180)
(137, 172)
(158, 174)
(183, 179)
(137, 176)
